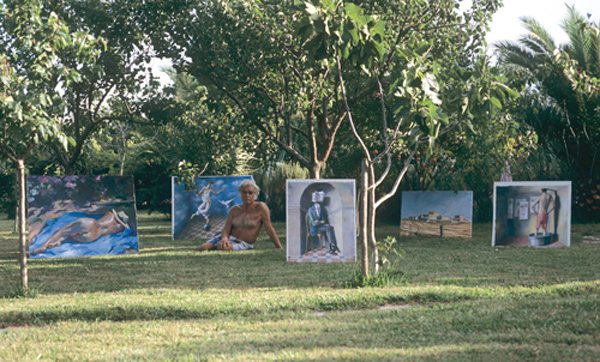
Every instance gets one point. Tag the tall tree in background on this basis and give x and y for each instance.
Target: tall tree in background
(31, 84)
(567, 113)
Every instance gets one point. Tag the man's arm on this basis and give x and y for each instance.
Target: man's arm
(224, 243)
(266, 220)
(537, 202)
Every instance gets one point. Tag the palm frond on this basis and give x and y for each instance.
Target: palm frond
(532, 42)
(579, 45)
(594, 34)
(512, 53)
(539, 33)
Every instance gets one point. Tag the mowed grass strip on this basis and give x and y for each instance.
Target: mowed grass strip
(536, 328)
(461, 299)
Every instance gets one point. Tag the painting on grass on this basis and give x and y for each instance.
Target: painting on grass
(540, 215)
(74, 216)
(321, 220)
(201, 212)
(437, 213)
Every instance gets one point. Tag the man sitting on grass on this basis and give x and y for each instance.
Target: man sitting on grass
(244, 222)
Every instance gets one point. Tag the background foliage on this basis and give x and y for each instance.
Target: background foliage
(259, 101)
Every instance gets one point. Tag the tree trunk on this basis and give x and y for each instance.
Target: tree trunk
(22, 224)
(121, 164)
(315, 171)
(122, 156)
(16, 225)
(364, 235)
(372, 237)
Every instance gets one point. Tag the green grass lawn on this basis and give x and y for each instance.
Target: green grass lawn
(461, 299)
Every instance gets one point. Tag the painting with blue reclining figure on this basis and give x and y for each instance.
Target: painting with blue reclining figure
(74, 216)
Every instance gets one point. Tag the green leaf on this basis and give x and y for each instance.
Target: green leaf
(310, 8)
(495, 102)
(380, 49)
(378, 29)
(354, 12)
(422, 49)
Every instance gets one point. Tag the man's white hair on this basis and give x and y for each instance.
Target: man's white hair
(249, 182)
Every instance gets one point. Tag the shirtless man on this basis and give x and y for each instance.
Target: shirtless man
(244, 222)
(545, 205)
(86, 230)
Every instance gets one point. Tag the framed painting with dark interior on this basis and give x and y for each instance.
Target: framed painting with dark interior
(201, 212)
(321, 220)
(540, 215)
(72, 216)
(437, 213)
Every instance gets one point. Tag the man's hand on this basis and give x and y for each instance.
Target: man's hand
(224, 245)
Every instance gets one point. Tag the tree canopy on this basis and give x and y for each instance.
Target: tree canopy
(272, 64)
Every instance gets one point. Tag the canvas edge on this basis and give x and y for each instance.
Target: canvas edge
(173, 207)
(287, 217)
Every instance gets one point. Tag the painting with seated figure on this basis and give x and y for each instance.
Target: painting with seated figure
(201, 212)
(321, 221)
(437, 213)
(532, 213)
(73, 216)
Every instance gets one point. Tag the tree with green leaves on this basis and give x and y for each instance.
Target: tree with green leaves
(565, 113)
(426, 88)
(248, 56)
(32, 83)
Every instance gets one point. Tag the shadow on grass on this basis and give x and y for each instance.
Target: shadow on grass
(173, 267)
(176, 264)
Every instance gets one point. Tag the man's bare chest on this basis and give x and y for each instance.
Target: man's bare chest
(245, 220)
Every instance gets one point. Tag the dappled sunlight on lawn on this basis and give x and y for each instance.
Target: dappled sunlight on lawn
(457, 298)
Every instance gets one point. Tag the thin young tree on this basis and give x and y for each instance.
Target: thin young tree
(32, 84)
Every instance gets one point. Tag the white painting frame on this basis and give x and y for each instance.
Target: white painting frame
(339, 203)
(529, 230)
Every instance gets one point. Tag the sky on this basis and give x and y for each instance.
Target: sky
(506, 24)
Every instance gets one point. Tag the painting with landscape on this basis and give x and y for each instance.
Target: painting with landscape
(532, 213)
(72, 216)
(321, 220)
(201, 212)
(437, 213)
